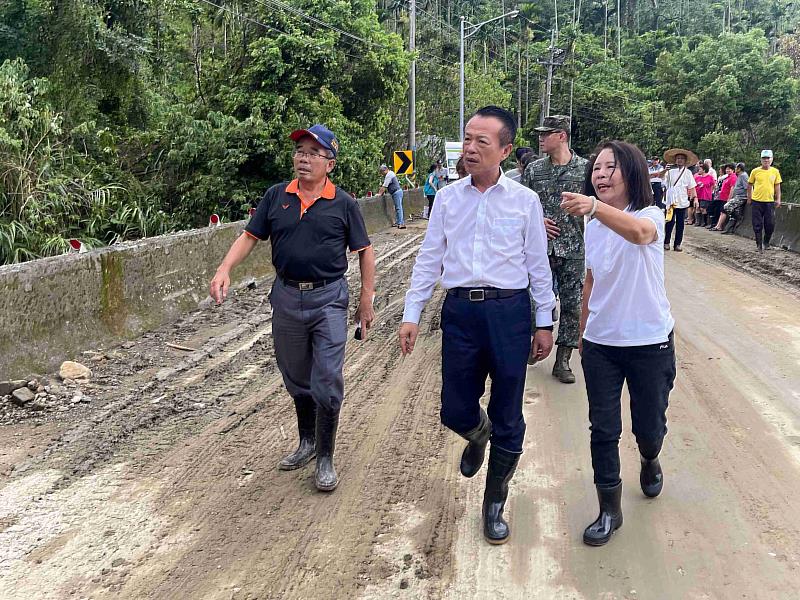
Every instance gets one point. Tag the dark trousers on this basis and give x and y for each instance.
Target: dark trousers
(649, 372)
(658, 195)
(480, 339)
(430, 204)
(715, 210)
(310, 332)
(679, 217)
(763, 218)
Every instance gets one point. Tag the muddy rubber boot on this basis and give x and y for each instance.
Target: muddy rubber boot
(609, 519)
(472, 457)
(325, 475)
(502, 465)
(561, 370)
(651, 478)
(306, 425)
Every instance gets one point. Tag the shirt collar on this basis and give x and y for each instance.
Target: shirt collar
(328, 192)
(573, 157)
(503, 180)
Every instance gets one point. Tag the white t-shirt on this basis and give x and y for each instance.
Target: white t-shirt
(681, 185)
(628, 305)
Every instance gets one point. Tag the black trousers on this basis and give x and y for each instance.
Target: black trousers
(649, 372)
(658, 195)
(482, 339)
(763, 218)
(430, 203)
(679, 217)
(715, 210)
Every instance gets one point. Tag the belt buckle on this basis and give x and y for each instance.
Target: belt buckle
(477, 295)
(305, 286)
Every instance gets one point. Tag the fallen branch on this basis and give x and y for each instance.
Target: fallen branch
(179, 347)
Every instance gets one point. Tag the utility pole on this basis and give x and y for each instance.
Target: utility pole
(527, 82)
(519, 81)
(505, 52)
(549, 84)
(412, 79)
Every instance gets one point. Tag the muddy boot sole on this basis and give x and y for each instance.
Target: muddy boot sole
(294, 466)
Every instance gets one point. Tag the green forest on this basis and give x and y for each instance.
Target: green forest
(128, 118)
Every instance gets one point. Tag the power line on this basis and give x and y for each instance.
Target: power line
(264, 25)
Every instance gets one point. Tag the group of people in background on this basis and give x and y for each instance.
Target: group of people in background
(691, 192)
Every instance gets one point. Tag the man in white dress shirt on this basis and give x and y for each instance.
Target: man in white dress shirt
(487, 243)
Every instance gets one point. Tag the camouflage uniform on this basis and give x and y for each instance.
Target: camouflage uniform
(566, 252)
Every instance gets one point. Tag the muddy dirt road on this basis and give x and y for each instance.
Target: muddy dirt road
(164, 484)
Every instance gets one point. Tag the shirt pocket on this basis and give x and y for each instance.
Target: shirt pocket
(506, 235)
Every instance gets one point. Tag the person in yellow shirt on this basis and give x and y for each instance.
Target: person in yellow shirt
(764, 194)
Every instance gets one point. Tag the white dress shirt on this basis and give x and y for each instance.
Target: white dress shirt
(490, 239)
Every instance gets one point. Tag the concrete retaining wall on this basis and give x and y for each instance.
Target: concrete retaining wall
(54, 308)
(787, 226)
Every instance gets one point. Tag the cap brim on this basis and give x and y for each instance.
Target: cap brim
(546, 129)
(298, 133)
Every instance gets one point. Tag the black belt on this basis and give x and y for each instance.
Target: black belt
(309, 285)
(481, 294)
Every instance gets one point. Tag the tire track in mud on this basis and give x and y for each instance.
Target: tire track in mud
(204, 441)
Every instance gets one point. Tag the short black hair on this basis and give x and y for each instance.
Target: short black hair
(522, 151)
(527, 158)
(633, 165)
(509, 131)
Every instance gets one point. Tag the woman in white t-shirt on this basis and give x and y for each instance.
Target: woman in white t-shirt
(626, 325)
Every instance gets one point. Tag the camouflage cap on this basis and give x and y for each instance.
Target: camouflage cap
(554, 123)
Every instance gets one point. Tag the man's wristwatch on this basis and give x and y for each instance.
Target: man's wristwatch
(548, 327)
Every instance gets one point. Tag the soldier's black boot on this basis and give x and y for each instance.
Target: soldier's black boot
(609, 519)
(502, 465)
(306, 425)
(651, 478)
(561, 369)
(325, 475)
(472, 457)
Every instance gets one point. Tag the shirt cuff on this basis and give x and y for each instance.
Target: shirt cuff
(544, 318)
(412, 314)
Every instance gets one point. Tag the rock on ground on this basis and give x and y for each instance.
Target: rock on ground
(74, 370)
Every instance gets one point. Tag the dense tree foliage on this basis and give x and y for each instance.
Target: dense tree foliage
(126, 118)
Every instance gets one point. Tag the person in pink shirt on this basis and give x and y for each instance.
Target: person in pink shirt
(728, 180)
(705, 189)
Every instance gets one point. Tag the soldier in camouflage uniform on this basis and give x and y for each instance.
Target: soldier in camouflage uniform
(561, 170)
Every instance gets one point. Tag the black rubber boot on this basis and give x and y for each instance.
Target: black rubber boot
(609, 519)
(650, 477)
(502, 465)
(306, 425)
(325, 475)
(472, 457)
(561, 369)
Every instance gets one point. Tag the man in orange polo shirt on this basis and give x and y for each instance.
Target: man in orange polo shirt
(310, 224)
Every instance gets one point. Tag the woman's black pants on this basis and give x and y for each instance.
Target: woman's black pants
(649, 372)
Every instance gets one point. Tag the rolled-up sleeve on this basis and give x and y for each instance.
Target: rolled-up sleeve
(428, 266)
(539, 275)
